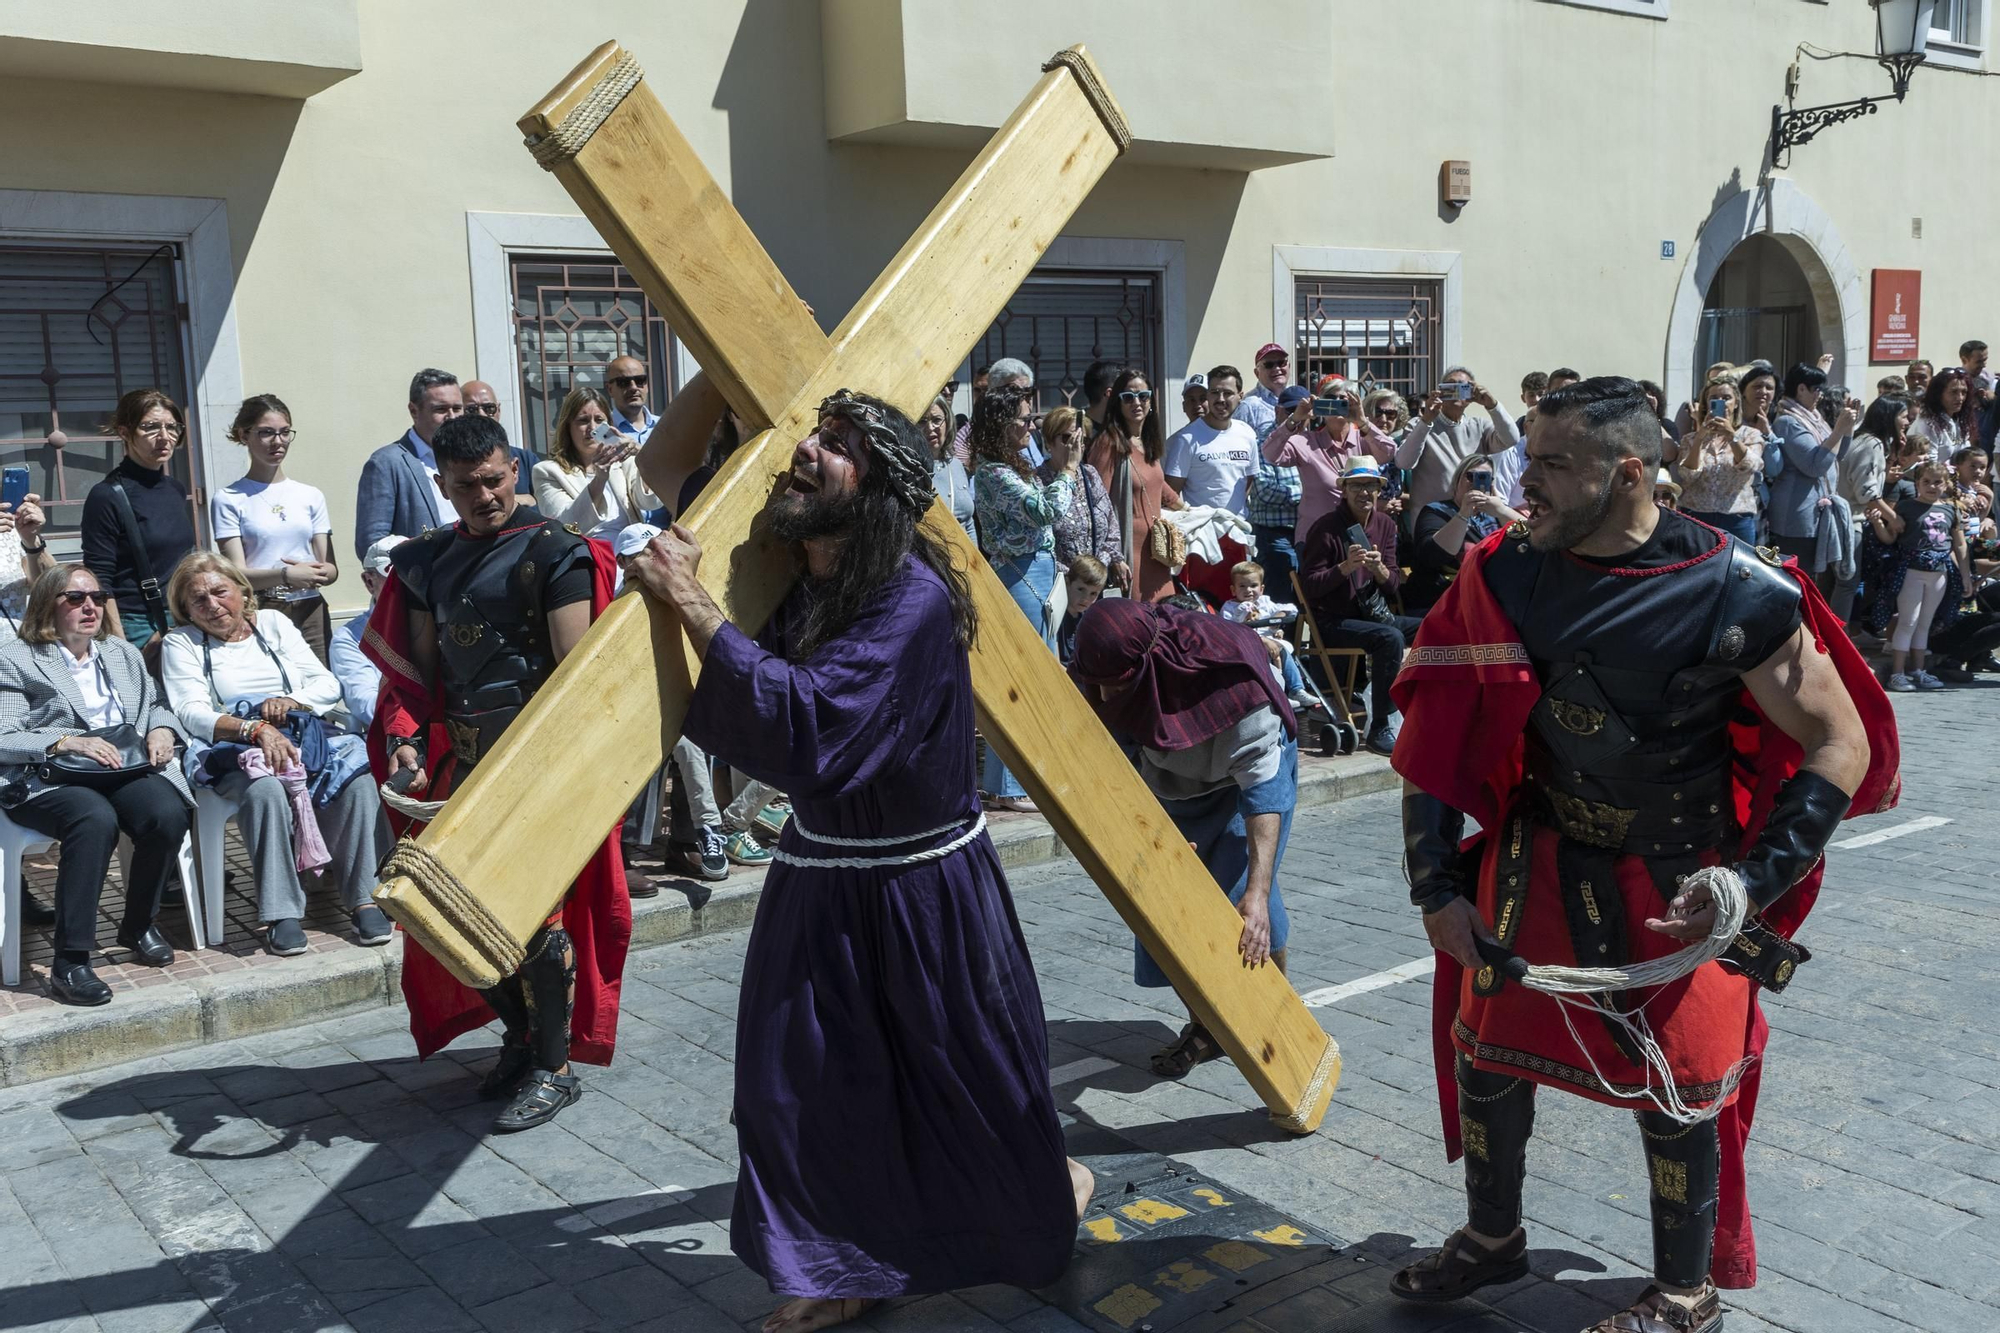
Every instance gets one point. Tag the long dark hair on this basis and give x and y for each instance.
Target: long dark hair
(1150, 438)
(1880, 422)
(881, 531)
(1934, 395)
(992, 417)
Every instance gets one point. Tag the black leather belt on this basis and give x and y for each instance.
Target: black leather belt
(1673, 820)
(474, 734)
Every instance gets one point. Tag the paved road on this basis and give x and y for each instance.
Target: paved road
(321, 1178)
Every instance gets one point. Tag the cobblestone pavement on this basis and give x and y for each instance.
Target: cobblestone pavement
(321, 1178)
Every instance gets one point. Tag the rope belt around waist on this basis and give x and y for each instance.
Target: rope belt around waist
(967, 834)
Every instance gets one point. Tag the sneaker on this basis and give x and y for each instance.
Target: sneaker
(1901, 684)
(1382, 739)
(1924, 680)
(714, 853)
(371, 925)
(744, 849)
(286, 938)
(771, 819)
(1302, 702)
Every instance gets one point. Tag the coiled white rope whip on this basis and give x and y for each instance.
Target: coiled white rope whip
(1565, 984)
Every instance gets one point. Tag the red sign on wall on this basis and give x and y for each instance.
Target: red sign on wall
(1893, 329)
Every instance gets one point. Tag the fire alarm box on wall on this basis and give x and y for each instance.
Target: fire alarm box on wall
(1455, 182)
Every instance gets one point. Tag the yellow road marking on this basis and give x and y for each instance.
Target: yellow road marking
(1213, 1198)
(1282, 1234)
(1128, 1305)
(1235, 1256)
(1184, 1277)
(1104, 1229)
(1150, 1211)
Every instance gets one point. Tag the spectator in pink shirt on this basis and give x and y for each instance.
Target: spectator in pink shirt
(1319, 446)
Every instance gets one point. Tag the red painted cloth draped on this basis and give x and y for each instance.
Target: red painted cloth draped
(597, 913)
(1466, 693)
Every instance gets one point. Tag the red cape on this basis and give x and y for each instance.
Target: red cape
(597, 913)
(1463, 743)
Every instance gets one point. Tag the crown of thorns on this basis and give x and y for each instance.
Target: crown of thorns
(906, 473)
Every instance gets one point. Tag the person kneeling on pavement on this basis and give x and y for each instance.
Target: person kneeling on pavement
(87, 752)
(242, 682)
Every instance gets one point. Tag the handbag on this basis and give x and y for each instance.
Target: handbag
(69, 768)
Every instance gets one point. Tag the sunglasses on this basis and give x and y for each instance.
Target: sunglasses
(77, 597)
(484, 409)
(1136, 395)
(622, 382)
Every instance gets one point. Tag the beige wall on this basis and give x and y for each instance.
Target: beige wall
(1593, 137)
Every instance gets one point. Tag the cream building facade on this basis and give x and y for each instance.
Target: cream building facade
(319, 197)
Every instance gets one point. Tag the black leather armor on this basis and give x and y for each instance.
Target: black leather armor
(1628, 748)
(486, 595)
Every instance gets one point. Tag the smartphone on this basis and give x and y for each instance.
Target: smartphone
(1480, 481)
(1719, 407)
(603, 433)
(1358, 536)
(1458, 389)
(13, 486)
(1329, 407)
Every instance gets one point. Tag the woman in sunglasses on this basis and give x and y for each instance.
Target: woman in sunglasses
(132, 546)
(1448, 529)
(1126, 456)
(70, 695)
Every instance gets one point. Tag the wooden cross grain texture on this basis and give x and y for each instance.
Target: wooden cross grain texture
(610, 713)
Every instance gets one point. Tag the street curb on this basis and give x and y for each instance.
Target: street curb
(53, 1042)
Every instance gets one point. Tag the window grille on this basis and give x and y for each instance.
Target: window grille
(1381, 332)
(572, 318)
(1061, 320)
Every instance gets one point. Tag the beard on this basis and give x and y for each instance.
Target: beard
(797, 516)
(1566, 527)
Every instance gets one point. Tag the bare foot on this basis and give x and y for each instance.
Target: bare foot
(1082, 1184)
(803, 1314)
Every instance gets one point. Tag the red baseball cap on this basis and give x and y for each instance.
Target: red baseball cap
(1269, 348)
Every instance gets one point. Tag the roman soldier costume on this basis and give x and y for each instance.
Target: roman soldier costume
(1591, 716)
(490, 598)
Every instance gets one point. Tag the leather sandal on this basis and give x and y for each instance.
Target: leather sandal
(1657, 1312)
(1462, 1267)
(543, 1094)
(1195, 1046)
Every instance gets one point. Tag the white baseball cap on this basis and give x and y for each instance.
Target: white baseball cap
(633, 538)
(376, 561)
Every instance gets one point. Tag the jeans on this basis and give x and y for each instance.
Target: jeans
(1743, 527)
(148, 809)
(1028, 580)
(1278, 556)
(1384, 645)
(692, 806)
(354, 827)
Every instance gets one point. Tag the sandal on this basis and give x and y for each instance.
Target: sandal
(540, 1098)
(803, 1314)
(1193, 1047)
(507, 1072)
(1015, 805)
(1657, 1312)
(1462, 1267)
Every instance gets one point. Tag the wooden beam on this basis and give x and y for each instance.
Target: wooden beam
(624, 691)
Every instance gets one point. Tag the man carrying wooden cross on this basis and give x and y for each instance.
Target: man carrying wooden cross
(893, 1114)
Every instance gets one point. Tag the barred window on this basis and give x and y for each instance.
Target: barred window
(1383, 333)
(572, 318)
(1061, 320)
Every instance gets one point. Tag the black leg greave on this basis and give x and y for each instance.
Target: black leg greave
(510, 1005)
(1685, 1165)
(548, 982)
(1496, 1115)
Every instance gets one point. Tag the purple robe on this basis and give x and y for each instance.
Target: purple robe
(893, 1112)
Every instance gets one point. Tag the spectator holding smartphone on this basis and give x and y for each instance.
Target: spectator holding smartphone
(1444, 435)
(1317, 433)
(1446, 530)
(24, 552)
(1720, 461)
(274, 529)
(1806, 523)
(1348, 566)
(591, 478)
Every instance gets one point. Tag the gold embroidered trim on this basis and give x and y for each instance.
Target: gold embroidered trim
(1468, 654)
(1581, 1079)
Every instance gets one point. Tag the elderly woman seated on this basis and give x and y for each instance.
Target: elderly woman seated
(73, 698)
(234, 677)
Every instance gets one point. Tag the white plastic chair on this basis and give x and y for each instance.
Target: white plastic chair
(17, 844)
(212, 813)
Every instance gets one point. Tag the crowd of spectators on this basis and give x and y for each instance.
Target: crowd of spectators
(1337, 509)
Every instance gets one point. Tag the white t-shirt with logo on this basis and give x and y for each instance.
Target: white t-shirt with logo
(1218, 464)
(276, 520)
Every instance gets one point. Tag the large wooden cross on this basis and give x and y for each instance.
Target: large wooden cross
(514, 835)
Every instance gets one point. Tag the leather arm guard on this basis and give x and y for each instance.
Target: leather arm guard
(1432, 832)
(1808, 810)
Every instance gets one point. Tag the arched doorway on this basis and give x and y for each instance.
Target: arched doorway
(1769, 277)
